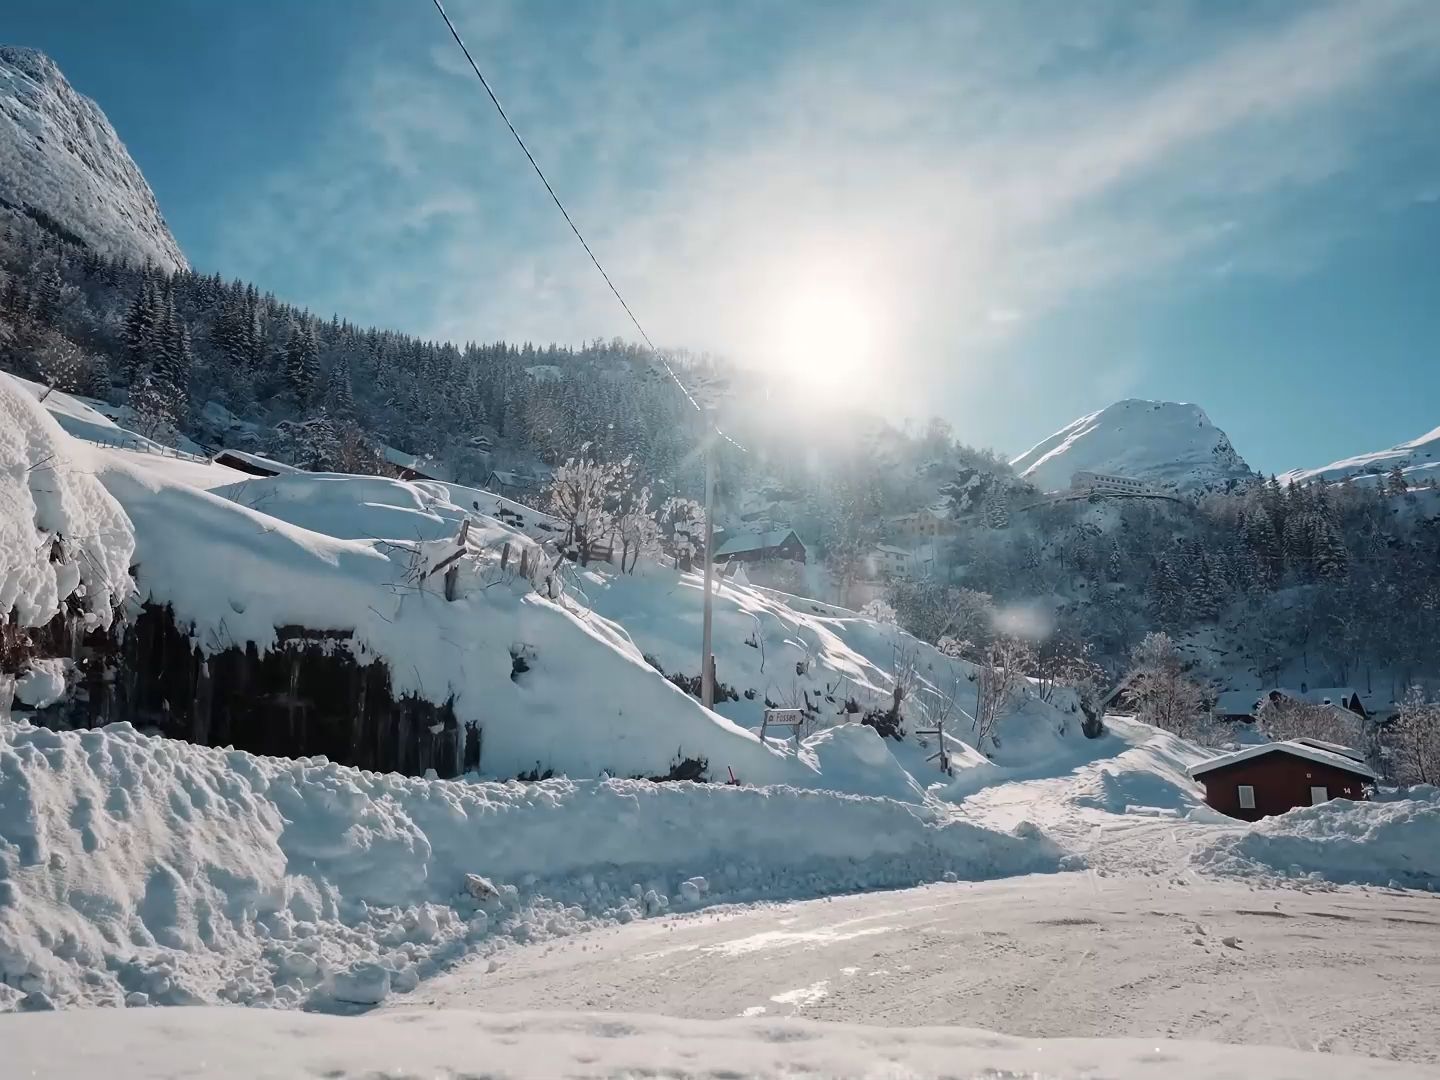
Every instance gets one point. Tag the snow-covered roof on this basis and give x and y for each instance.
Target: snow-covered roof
(756, 541)
(1322, 694)
(425, 466)
(270, 465)
(938, 510)
(513, 479)
(1296, 748)
(1238, 702)
(891, 549)
(1333, 748)
(1245, 702)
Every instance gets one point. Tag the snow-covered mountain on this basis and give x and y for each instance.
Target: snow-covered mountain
(1165, 442)
(1419, 460)
(61, 161)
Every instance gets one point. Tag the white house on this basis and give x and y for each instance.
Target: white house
(1109, 482)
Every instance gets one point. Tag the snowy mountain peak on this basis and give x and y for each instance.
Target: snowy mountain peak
(65, 166)
(1165, 442)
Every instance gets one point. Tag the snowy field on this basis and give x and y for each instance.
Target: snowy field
(238, 1044)
(1347, 971)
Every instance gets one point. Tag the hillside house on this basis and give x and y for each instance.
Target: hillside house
(411, 467)
(1245, 705)
(253, 464)
(762, 547)
(514, 484)
(926, 523)
(887, 561)
(1109, 483)
(1275, 777)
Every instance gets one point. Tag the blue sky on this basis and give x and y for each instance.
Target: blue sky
(1009, 214)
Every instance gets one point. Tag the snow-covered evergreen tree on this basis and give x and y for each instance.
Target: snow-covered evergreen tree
(302, 365)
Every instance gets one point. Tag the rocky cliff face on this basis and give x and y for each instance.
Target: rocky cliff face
(63, 164)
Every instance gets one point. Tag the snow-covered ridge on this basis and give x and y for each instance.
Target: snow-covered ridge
(60, 156)
(1418, 459)
(1165, 442)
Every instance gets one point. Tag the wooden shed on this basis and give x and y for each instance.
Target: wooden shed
(1275, 777)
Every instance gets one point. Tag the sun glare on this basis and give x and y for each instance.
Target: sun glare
(825, 340)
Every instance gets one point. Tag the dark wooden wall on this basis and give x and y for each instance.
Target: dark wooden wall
(306, 696)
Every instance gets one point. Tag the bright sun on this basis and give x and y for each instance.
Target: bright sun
(825, 339)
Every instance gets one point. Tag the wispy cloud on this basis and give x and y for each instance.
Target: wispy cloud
(956, 165)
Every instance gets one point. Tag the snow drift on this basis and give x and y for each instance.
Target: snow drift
(138, 865)
(63, 538)
(1387, 842)
(1164, 442)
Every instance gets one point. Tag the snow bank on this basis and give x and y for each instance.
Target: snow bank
(131, 864)
(1390, 842)
(61, 534)
(239, 1044)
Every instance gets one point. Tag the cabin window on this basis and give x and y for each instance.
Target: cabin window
(1247, 796)
(1319, 795)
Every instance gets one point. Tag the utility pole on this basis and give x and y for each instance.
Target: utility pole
(707, 659)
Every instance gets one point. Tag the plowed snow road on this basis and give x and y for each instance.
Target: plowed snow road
(1077, 954)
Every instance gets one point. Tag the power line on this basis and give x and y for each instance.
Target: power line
(571, 221)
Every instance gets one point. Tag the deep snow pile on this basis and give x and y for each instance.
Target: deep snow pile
(60, 156)
(241, 1044)
(137, 865)
(1394, 841)
(62, 536)
(1165, 442)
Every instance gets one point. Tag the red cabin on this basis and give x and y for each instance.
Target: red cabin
(1275, 777)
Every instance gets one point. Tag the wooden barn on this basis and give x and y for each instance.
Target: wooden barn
(762, 547)
(253, 464)
(1275, 777)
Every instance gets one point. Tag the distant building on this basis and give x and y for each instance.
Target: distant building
(888, 561)
(1245, 705)
(410, 467)
(514, 484)
(761, 547)
(1109, 482)
(1275, 777)
(927, 522)
(253, 464)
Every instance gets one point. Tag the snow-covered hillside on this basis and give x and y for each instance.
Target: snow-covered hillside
(60, 157)
(558, 678)
(1164, 442)
(1419, 460)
